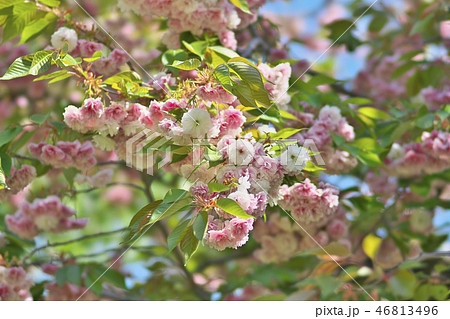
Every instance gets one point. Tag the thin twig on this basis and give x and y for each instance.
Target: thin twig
(109, 185)
(31, 253)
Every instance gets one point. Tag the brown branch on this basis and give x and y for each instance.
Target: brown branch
(31, 253)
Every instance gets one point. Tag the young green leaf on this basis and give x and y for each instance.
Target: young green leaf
(374, 113)
(187, 65)
(242, 4)
(217, 187)
(200, 225)
(19, 68)
(233, 208)
(2, 177)
(177, 235)
(189, 244)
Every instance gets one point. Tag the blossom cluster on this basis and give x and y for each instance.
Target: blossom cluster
(65, 154)
(329, 121)
(99, 179)
(430, 156)
(436, 98)
(280, 239)
(47, 214)
(85, 49)
(15, 284)
(307, 202)
(18, 180)
(196, 16)
(253, 172)
(376, 82)
(277, 82)
(229, 233)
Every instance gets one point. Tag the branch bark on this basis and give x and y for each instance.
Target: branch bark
(31, 253)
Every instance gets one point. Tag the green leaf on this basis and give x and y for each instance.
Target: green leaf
(228, 53)
(197, 47)
(2, 177)
(217, 187)
(70, 273)
(369, 158)
(39, 118)
(21, 141)
(414, 84)
(200, 225)
(425, 121)
(20, 67)
(51, 75)
(219, 55)
(402, 69)
(171, 56)
(242, 4)
(144, 211)
(311, 167)
(168, 209)
(91, 280)
(9, 3)
(174, 195)
(60, 126)
(341, 33)
(189, 244)
(139, 220)
(374, 113)
(233, 208)
(222, 74)
(321, 79)
(60, 78)
(8, 135)
(424, 25)
(177, 235)
(50, 3)
(284, 133)
(402, 284)
(6, 163)
(249, 88)
(115, 277)
(130, 76)
(70, 173)
(190, 64)
(68, 60)
(368, 144)
(33, 29)
(22, 14)
(358, 101)
(378, 22)
(97, 55)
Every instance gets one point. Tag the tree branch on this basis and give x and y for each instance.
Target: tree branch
(31, 253)
(178, 256)
(88, 190)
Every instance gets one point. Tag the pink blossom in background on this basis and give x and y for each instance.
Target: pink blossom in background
(47, 214)
(445, 29)
(18, 180)
(15, 284)
(307, 202)
(65, 154)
